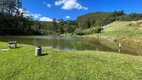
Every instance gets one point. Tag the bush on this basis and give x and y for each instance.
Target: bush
(94, 29)
(79, 31)
(90, 31)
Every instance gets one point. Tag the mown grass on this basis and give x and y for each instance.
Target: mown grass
(21, 64)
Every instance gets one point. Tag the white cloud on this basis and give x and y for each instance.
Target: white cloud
(27, 13)
(35, 16)
(67, 17)
(48, 5)
(45, 19)
(22, 11)
(70, 4)
(59, 2)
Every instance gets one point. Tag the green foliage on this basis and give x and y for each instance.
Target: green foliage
(54, 27)
(100, 18)
(92, 30)
(12, 20)
(104, 18)
(14, 24)
(79, 31)
(10, 6)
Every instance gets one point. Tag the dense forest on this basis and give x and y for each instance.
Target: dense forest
(13, 22)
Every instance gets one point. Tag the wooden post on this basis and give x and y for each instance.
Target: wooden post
(119, 48)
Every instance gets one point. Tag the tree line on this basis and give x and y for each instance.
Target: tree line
(55, 27)
(13, 22)
(85, 24)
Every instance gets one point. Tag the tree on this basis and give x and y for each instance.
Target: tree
(54, 26)
(61, 23)
(10, 5)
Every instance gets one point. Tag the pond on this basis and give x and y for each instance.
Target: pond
(72, 43)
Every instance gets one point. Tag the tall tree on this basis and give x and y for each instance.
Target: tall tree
(10, 5)
(54, 26)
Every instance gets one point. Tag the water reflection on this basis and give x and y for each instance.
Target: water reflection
(72, 43)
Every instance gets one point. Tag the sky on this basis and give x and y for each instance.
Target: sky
(46, 10)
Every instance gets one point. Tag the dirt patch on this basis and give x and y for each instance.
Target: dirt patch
(140, 28)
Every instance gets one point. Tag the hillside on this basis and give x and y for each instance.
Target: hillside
(105, 18)
(128, 31)
(122, 29)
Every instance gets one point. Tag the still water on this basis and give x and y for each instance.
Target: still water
(72, 43)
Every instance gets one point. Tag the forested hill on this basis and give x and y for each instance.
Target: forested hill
(104, 18)
(85, 24)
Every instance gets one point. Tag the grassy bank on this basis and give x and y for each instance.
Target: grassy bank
(21, 64)
(126, 31)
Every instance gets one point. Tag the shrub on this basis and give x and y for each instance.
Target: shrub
(79, 31)
(94, 29)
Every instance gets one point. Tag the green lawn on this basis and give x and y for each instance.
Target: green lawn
(21, 64)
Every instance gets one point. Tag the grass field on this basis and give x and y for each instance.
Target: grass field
(122, 29)
(126, 31)
(21, 64)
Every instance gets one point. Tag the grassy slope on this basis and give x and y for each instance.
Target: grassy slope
(127, 31)
(21, 64)
(122, 29)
